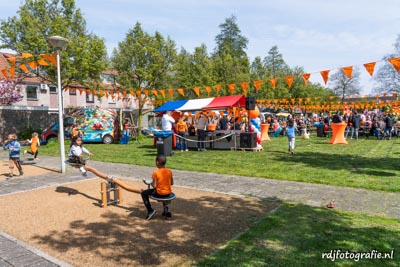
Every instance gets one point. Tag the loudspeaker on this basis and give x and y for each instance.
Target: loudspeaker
(250, 103)
(248, 140)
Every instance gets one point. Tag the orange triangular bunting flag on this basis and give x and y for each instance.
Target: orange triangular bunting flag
(244, 87)
(50, 58)
(154, 91)
(12, 60)
(181, 92)
(24, 68)
(348, 71)
(197, 91)
(217, 87)
(139, 93)
(26, 55)
(306, 76)
(208, 90)
(42, 62)
(395, 62)
(146, 93)
(162, 92)
(32, 64)
(231, 87)
(289, 80)
(325, 74)
(370, 67)
(171, 92)
(5, 74)
(273, 82)
(257, 84)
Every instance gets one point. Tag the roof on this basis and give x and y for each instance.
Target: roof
(171, 105)
(227, 102)
(195, 104)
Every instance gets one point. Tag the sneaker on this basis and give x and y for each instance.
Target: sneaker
(187, 149)
(83, 171)
(25, 151)
(36, 158)
(21, 173)
(150, 214)
(9, 176)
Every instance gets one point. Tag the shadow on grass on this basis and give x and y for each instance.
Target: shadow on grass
(198, 227)
(297, 235)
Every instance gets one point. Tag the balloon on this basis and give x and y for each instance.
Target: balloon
(253, 113)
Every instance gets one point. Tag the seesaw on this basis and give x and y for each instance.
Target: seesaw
(114, 184)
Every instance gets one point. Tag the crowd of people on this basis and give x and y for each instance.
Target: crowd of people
(381, 125)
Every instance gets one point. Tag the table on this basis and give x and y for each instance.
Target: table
(338, 133)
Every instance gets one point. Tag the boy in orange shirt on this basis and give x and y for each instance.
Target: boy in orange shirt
(35, 143)
(162, 182)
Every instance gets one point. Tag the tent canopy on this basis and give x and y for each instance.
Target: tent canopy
(195, 104)
(171, 105)
(224, 102)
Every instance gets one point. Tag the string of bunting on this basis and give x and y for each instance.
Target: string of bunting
(28, 62)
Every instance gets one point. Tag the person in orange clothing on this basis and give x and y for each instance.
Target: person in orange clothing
(34, 147)
(182, 129)
(162, 182)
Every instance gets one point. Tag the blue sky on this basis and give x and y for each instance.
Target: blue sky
(314, 34)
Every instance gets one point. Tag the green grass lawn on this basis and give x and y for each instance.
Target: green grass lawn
(293, 235)
(366, 163)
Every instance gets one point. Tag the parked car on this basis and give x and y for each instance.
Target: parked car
(97, 125)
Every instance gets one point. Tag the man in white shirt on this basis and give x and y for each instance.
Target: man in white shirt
(167, 121)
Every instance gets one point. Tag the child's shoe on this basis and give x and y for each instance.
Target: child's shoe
(9, 176)
(83, 171)
(25, 151)
(21, 173)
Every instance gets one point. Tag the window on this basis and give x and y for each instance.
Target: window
(31, 92)
(53, 89)
(90, 98)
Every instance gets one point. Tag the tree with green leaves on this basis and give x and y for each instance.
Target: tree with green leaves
(231, 64)
(343, 85)
(85, 55)
(387, 76)
(143, 62)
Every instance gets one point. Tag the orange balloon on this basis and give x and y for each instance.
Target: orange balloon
(254, 113)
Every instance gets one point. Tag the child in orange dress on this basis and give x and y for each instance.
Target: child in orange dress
(35, 143)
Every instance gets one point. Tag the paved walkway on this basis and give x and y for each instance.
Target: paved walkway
(16, 253)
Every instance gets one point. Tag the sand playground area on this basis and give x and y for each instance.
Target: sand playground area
(68, 223)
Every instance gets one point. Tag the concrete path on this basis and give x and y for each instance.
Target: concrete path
(16, 253)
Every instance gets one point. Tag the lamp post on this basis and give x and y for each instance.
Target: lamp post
(58, 43)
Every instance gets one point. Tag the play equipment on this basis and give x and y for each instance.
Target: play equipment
(164, 200)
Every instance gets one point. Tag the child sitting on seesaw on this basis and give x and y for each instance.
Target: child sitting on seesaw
(76, 151)
(162, 182)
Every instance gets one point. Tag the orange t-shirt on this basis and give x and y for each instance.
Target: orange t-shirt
(163, 180)
(34, 144)
(181, 126)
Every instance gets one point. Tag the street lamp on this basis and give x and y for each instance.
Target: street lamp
(58, 43)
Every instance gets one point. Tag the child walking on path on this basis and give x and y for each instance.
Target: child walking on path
(76, 151)
(162, 182)
(14, 147)
(291, 134)
(35, 143)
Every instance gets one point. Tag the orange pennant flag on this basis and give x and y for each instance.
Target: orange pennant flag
(101, 93)
(124, 93)
(171, 92)
(181, 92)
(273, 82)
(42, 62)
(197, 91)
(12, 60)
(154, 91)
(24, 68)
(106, 93)
(231, 87)
(81, 91)
(50, 58)
(5, 74)
(146, 93)
(208, 90)
(289, 80)
(325, 74)
(88, 92)
(162, 92)
(370, 67)
(26, 55)
(348, 71)
(139, 93)
(12, 71)
(32, 64)
(217, 87)
(132, 92)
(257, 84)
(244, 87)
(306, 76)
(395, 62)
